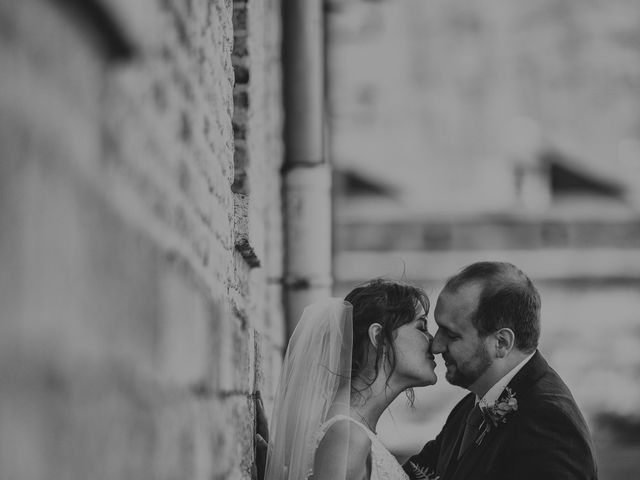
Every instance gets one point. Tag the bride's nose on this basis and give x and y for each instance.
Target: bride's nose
(437, 346)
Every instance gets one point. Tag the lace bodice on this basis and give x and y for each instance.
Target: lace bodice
(384, 465)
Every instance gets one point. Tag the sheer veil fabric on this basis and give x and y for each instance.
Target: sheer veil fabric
(314, 386)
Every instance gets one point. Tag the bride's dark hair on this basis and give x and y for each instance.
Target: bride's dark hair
(390, 304)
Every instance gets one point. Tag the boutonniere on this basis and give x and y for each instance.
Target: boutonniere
(422, 473)
(494, 415)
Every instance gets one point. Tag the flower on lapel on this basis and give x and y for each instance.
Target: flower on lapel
(497, 413)
(422, 473)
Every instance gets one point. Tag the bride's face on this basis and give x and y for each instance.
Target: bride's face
(415, 364)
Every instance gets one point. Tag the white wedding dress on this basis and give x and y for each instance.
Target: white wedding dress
(314, 392)
(384, 465)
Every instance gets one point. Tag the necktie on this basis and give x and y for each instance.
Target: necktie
(474, 419)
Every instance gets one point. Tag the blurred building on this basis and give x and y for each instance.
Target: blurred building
(504, 130)
(480, 94)
(140, 236)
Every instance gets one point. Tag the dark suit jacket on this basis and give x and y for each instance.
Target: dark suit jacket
(545, 439)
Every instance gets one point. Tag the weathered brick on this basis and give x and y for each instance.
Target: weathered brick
(241, 98)
(240, 45)
(132, 327)
(241, 71)
(239, 16)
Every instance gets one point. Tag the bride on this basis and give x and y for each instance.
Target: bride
(346, 361)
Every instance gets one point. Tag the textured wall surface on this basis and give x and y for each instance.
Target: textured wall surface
(139, 298)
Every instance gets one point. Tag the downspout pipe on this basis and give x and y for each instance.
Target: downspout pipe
(306, 173)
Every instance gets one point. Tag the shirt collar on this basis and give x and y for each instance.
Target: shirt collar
(494, 392)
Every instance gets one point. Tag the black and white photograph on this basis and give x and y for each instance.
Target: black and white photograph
(319, 240)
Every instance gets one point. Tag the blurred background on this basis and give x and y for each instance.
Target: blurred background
(178, 179)
(499, 130)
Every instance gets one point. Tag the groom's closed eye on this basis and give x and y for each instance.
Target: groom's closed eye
(448, 333)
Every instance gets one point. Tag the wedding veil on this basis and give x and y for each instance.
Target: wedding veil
(315, 378)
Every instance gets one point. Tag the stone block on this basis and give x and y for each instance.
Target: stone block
(235, 356)
(185, 331)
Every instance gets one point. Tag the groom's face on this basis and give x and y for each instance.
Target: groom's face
(463, 350)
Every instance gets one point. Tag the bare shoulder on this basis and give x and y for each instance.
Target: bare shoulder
(343, 452)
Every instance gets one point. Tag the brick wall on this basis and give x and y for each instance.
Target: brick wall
(139, 296)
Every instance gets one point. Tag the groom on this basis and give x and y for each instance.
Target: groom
(519, 420)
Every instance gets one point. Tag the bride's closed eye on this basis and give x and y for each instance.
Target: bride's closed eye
(422, 325)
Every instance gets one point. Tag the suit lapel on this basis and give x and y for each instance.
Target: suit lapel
(474, 458)
(479, 455)
(453, 436)
(477, 459)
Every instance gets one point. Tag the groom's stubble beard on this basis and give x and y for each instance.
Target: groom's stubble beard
(467, 373)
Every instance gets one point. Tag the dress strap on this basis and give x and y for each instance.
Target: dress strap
(336, 418)
(384, 465)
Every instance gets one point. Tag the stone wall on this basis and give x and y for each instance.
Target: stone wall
(139, 296)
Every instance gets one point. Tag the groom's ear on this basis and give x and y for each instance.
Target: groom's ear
(505, 340)
(374, 334)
